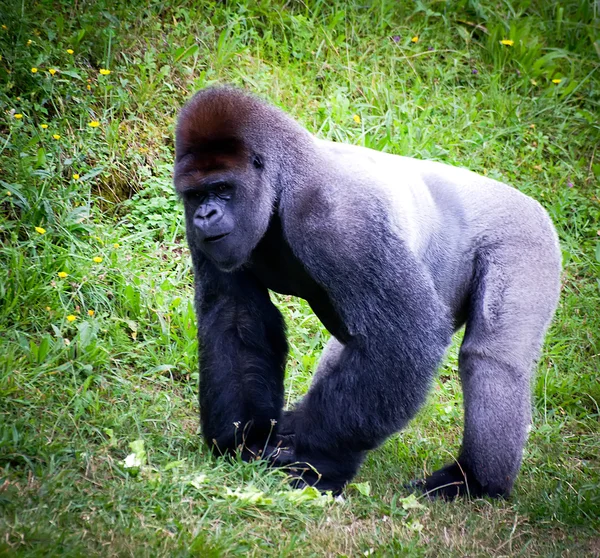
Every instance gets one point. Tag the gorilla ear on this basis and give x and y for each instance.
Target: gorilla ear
(257, 162)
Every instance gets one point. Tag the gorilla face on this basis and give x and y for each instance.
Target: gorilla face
(227, 210)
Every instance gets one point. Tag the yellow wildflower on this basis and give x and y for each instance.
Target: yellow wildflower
(94, 124)
(533, 82)
(356, 118)
(71, 318)
(91, 313)
(48, 308)
(104, 71)
(556, 81)
(34, 70)
(4, 27)
(62, 274)
(52, 71)
(97, 259)
(507, 42)
(18, 116)
(8, 193)
(43, 126)
(75, 176)
(56, 136)
(70, 51)
(41, 230)
(116, 245)
(415, 39)
(89, 87)
(532, 126)
(29, 42)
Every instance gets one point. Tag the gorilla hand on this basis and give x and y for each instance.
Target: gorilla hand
(322, 472)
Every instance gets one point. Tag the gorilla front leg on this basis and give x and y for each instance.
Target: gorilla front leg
(243, 350)
(359, 397)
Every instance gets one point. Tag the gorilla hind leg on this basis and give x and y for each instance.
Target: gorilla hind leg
(512, 301)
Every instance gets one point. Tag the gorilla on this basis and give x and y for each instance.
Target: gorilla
(393, 254)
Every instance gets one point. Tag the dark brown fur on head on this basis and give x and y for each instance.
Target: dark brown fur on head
(221, 126)
(211, 127)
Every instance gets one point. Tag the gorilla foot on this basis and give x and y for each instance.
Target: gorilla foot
(456, 480)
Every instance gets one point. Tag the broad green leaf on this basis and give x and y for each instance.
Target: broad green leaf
(411, 503)
(363, 487)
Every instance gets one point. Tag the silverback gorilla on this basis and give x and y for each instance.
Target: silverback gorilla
(393, 254)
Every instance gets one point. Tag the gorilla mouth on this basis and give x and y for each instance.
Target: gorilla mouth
(215, 238)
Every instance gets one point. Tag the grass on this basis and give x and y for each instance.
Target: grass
(75, 394)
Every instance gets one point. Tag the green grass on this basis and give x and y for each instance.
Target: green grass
(75, 394)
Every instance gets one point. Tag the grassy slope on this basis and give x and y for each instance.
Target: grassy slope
(74, 394)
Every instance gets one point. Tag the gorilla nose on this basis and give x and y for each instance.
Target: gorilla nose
(205, 220)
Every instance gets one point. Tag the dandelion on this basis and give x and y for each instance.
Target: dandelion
(18, 116)
(34, 70)
(89, 87)
(356, 118)
(71, 318)
(43, 126)
(91, 313)
(94, 124)
(415, 39)
(97, 259)
(40, 230)
(62, 274)
(104, 72)
(48, 308)
(8, 193)
(556, 81)
(29, 42)
(116, 245)
(56, 136)
(52, 71)
(75, 176)
(70, 51)
(507, 42)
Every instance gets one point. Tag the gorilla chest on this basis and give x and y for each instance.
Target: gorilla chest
(277, 268)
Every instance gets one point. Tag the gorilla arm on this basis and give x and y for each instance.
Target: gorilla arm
(242, 357)
(399, 327)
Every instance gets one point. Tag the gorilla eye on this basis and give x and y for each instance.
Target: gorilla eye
(222, 188)
(257, 162)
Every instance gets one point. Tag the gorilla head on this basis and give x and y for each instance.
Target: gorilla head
(229, 154)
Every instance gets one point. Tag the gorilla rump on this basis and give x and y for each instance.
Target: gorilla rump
(393, 254)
